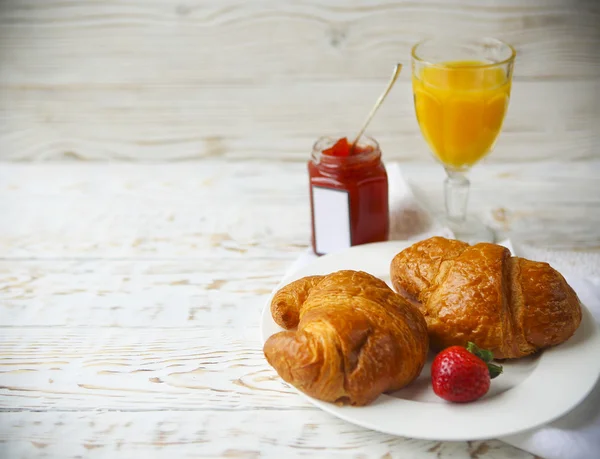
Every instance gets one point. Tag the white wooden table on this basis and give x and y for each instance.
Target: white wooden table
(130, 298)
(130, 293)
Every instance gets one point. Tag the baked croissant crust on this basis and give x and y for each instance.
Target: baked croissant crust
(510, 305)
(355, 338)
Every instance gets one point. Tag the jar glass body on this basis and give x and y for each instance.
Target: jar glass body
(362, 181)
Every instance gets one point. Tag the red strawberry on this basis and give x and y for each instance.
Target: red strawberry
(463, 374)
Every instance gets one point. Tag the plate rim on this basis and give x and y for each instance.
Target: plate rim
(588, 328)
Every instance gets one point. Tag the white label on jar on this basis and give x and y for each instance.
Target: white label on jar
(331, 209)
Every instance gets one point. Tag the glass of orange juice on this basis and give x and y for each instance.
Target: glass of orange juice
(461, 90)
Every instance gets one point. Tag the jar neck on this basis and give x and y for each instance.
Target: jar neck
(367, 154)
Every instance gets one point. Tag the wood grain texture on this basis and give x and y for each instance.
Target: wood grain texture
(241, 435)
(90, 368)
(281, 121)
(127, 80)
(130, 294)
(223, 294)
(197, 41)
(257, 210)
(136, 290)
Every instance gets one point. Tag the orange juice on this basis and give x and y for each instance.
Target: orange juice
(460, 108)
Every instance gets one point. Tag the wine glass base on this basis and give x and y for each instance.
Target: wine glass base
(471, 230)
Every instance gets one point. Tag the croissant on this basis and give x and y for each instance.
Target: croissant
(479, 293)
(355, 339)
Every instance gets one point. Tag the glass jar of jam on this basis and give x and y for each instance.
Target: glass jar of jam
(348, 194)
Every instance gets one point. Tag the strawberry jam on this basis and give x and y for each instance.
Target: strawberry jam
(348, 194)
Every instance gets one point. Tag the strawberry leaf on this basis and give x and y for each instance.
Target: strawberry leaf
(487, 356)
(495, 370)
(483, 354)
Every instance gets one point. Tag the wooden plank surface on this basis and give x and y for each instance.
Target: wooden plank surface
(258, 209)
(239, 434)
(107, 368)
(130, 297)
(546, 120)
(137, 293)
(161, 42)
(128, 80)
(128, 288)
(130, 294)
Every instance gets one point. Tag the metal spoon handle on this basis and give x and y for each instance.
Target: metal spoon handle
(395, 76)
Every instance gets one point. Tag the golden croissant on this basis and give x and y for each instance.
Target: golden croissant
(479, 293)
(355, 337)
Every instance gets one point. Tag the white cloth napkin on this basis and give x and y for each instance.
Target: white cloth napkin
(577, 434)
(408, 218)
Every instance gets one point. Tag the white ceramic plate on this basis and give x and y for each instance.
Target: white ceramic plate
(531, 391)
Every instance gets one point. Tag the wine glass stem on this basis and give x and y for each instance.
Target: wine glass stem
(456, 188)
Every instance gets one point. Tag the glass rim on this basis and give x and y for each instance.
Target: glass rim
(511, 58)
(327, 141)
(365, 140)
